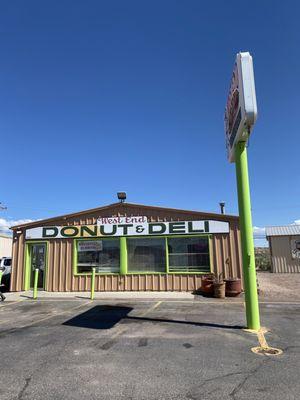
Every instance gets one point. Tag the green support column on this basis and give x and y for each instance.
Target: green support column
(123, 255)
(251, 298)
(93, 283)
(35, 282)
(1, 276)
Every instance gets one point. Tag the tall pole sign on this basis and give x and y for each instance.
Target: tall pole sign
(240, 116)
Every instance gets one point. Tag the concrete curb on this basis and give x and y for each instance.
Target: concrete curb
(146, 296)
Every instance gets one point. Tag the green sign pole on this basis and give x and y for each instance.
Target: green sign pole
(251, 298)
(35, 283)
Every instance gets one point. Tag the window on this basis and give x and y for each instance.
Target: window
(104, 255)
(189, 254)
(146, 255)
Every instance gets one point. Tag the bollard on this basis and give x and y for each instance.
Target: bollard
(93, 283)
(35, 282)
(2, 297)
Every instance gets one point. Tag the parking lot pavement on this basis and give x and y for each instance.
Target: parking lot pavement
(78, 349)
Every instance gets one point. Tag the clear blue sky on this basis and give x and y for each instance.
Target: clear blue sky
(101, 96)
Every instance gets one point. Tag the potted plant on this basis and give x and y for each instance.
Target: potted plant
(207, 285)
(233, 287)
(219, 287)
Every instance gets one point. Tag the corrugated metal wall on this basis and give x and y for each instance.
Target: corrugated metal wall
(5, 246)
(281, 255)
(225, 249)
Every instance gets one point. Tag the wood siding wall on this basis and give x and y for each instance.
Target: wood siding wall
(60, 277)
(281, 255)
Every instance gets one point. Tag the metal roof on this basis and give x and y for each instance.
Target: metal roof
(126, 206)
(287, 230)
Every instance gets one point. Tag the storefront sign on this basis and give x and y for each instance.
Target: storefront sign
(121, 220)
(295, 248)
(128, 229)
(241, 107)
(90, 245)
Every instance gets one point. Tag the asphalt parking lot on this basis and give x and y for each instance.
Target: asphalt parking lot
(78, 349)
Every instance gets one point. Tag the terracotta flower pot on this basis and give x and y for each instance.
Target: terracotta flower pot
(233, 287)
(219, 290)
(207, 288)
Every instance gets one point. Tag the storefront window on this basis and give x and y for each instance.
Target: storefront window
(189, 254)
(146, 255)
(104, 255)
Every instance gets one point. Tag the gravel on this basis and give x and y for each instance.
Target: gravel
(283, 287)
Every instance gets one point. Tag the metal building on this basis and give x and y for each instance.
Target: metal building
(5, 245)
(131, 246)
(284, 243)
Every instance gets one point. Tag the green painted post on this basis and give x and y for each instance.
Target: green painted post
(123, 255)
(93, 283)
(251, 297)
(167, 256)
(1, 273)
(35, 283)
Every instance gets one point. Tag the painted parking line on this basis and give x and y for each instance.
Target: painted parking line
(9, 304)
(52, 316)
(120, 329)
(157, 304)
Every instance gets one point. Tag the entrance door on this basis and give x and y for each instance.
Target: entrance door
(37, 252)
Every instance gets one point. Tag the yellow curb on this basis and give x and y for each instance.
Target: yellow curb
(263, 349)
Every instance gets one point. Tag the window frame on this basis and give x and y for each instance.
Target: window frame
(75, 253)
(209, 238)
(166, 255)
(165, 237)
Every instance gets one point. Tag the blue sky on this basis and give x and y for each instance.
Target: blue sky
(101, 96)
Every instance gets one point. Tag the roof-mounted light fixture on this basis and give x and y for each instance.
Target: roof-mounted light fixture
(222, 206)
(122, 196)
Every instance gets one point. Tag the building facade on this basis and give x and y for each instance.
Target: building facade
(131, 247)
(5, 245)
(284, 244)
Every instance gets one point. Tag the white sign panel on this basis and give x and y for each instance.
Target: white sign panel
(132, 229)
(241, 107)
(295, 248)
(90, 245)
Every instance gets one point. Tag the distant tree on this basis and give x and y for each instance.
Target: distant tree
(263, 258)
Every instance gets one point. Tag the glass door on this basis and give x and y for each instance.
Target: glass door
(38, 261)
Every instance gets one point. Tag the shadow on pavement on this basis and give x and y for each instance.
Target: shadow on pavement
(99, 317)
(174, 321)
(106, 317)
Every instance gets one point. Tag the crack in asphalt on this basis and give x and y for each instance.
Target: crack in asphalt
(240, 385)
(22, 391)
(233, 394)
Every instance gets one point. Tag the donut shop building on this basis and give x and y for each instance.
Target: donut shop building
(132, 248)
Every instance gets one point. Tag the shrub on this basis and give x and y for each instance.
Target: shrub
(263, 258)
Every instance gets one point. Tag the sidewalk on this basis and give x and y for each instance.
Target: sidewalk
(128, 296)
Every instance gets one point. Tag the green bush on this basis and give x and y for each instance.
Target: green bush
(263, 258)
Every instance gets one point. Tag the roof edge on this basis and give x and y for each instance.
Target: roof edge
(119, 204)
